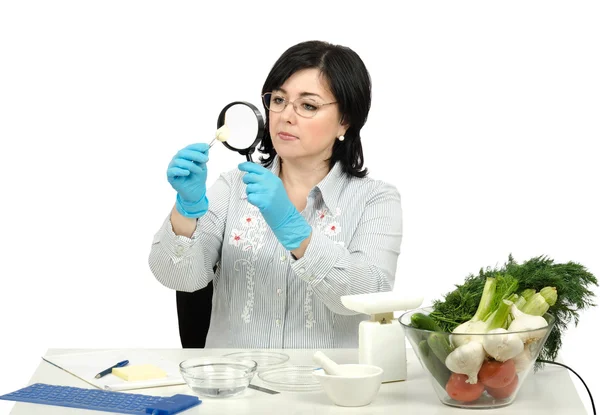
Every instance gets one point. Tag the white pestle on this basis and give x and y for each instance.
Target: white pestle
(328, 365)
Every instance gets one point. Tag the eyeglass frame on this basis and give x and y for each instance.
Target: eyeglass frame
(287, 102)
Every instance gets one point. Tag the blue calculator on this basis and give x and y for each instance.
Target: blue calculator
(100, 400)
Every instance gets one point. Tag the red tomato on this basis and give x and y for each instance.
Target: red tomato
(505, 392)
(497, 374)
(459, 390)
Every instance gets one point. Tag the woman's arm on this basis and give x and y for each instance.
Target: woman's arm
(184, 251)
(367, 264)
(181, 225)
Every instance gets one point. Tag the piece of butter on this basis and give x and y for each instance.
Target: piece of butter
(139, 372)
(223, 133)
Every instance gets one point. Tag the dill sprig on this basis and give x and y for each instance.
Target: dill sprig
(571, 280)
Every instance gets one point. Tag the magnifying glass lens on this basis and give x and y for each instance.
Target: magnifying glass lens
(240, 127)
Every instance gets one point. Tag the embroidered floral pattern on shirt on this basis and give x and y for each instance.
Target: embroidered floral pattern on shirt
(308, 311)
(237, 237)
(249, 221)
(327, 223)
(331, 229)
(249, 238)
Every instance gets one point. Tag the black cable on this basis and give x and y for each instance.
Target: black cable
(576, 374)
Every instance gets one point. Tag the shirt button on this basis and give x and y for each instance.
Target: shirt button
(302, 270)
(179, 250)
(311, 278)
(279, 291)
(278, 322)
(283, 258)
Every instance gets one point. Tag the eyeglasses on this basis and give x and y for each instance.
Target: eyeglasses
(304, 107)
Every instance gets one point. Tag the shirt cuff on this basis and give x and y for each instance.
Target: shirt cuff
(320, 257)
(177, 246)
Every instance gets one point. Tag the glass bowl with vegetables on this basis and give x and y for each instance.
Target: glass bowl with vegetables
(480, 343)
(477, 368)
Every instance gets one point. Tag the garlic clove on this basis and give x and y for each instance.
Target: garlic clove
(522, 360)
(502, 345)
(467, 360)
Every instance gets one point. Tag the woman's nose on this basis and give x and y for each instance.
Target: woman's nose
(289, 113)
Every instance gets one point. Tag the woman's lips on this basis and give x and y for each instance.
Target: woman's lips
(287, 137)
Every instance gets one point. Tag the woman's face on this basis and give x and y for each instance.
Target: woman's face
(299, 138)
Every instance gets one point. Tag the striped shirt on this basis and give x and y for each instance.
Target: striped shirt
(263, 297)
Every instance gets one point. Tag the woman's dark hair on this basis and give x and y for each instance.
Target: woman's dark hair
(350, 84)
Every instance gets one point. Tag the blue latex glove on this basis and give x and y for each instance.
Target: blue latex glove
(187, 174)
(266, 192)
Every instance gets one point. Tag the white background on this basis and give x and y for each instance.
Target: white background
(485, 115)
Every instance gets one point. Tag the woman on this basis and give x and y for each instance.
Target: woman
(291, 236)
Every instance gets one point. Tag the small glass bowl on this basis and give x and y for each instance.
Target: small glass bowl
(217, 377)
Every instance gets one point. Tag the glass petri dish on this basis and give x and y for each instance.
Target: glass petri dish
(264, 359)
(291, 378)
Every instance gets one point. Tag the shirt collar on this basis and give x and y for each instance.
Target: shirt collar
(332, 185)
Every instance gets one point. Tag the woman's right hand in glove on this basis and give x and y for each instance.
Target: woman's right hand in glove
(187, 174)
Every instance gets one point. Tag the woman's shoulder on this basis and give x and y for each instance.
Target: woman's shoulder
(374, 188)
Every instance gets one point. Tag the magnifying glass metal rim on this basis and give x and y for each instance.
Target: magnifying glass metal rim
(259, 133)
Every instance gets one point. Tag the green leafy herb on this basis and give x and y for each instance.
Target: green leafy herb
(571, 280)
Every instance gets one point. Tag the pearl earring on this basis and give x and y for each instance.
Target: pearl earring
(341, 138)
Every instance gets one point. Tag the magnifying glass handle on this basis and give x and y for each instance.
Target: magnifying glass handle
(249, 158)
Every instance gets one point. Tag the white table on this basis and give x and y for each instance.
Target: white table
(549, 391)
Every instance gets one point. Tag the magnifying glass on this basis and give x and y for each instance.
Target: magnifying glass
(245, 127)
